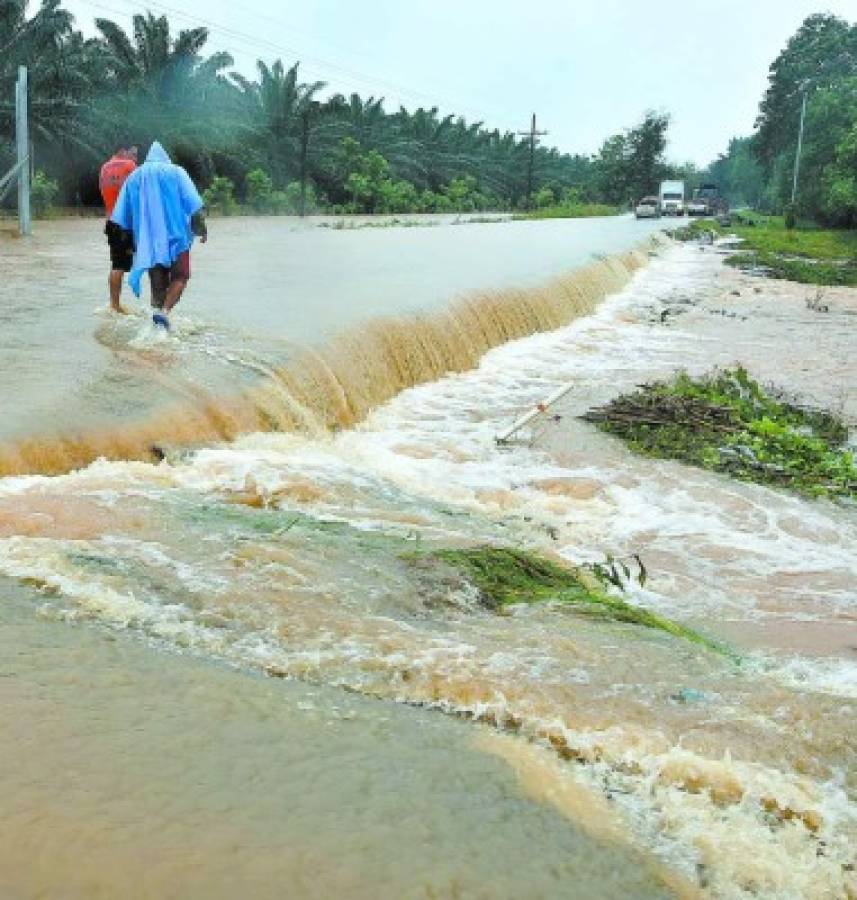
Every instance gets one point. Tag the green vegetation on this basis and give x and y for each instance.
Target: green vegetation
(505, 576)
(806, 253)
(728, 423)
(805, 271)
(819, 60)
(43, 193)
(266, 136)
(220, 196)
(572, 211)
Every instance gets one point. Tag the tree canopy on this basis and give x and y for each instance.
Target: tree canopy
(158, 83)
(819, 62)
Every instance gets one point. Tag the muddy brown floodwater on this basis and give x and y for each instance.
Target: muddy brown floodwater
(225, 673)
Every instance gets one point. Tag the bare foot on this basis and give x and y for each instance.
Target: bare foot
(118, 308)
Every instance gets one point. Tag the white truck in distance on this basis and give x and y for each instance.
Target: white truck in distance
(671, 196)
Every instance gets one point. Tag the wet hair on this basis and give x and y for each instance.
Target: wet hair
(124, 144)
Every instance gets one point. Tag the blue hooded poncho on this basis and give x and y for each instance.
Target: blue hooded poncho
(156, 203)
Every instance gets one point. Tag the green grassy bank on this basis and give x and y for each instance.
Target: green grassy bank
(807, 253)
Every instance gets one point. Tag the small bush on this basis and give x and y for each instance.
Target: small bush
(220, 196)
(288, 202)
(260, 191)
(544, 198)
(43, 193)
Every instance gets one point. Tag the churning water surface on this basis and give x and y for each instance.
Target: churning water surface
(599, 760)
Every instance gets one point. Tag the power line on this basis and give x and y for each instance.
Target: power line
(318, 63)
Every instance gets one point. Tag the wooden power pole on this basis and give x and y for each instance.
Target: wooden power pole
(307, 114)
(304, 148)
(533, 135)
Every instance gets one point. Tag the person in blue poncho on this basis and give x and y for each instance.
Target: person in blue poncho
(161, 208)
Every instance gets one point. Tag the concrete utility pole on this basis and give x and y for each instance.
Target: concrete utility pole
(799, 141)
(533, 135)
(22, 134)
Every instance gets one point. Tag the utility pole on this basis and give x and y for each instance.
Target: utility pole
(533, 135)
(22, 134)
(304, 147)
(312, 107)
(799, 142)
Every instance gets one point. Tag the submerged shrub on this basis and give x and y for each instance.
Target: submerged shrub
(259, 191)
(220, 196)
(43, 194)
(504, 576)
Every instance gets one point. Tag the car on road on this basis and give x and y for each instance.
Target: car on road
(648, 208)
(698, 207)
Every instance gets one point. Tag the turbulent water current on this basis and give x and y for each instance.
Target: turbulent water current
(234, 643)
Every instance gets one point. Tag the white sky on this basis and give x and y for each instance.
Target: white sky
(588, 68)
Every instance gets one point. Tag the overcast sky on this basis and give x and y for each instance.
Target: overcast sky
(588, 68)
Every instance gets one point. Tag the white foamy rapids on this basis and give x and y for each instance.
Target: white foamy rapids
(837, 677)
(714, 547)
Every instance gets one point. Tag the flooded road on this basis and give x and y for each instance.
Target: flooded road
(292, 556)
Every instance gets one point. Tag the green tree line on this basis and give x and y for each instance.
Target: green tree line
(819, 62)
(258, 140)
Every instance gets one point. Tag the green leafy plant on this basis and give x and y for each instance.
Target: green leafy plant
(506, 576)
(43, 194)
(259, 188)
(220, 196)
(617, 573)
(729, 423)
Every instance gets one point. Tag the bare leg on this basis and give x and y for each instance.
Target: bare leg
(174, 293)
(159, 277)
(114, 282)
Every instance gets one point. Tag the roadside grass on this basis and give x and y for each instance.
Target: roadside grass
(803, 271)
(571, 211)
(506, 576)
(729, 423)
(808, 254)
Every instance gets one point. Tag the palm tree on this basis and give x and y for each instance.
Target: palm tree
(280, 107)
(164, 87)
(153, 61)
(63, 68)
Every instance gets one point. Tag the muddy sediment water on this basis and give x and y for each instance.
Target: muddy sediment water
(262, 290)
(576, 755)
(126, 777)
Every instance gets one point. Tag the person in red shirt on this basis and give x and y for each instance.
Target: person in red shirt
(110, 181)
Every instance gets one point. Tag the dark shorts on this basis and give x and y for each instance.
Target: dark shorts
(160, 277)
(121, 247)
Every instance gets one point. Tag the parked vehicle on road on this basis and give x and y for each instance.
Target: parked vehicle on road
(706, 201)
(698, 206)
(672, 198)
(648, 208)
